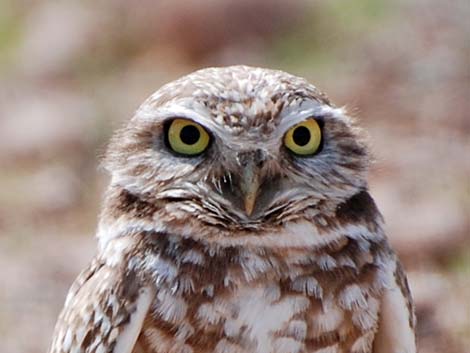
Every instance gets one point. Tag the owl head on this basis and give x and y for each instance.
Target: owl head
(234, 148)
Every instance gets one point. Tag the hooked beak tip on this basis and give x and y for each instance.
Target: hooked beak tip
(250, 184)
(249, 204)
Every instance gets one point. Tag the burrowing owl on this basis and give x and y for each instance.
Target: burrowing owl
(238, 220)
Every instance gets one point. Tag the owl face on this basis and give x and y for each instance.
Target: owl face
(239, 147)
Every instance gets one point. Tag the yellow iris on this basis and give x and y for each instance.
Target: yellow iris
(187, 137)
(304, 138)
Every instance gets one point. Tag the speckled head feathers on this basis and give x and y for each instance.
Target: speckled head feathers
(247, 111)
(249, 245)
(241, 99)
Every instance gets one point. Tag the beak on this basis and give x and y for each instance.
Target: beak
(250, 183)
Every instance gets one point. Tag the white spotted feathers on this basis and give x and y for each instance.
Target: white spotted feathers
(184, 267)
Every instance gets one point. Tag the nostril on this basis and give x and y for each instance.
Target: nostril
(259, 157)
(242, 159)
(256, 157)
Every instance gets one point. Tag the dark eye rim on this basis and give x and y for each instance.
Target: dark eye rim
(166, 127)
(321, 123)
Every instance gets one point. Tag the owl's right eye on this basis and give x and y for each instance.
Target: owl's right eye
(186, 137)
(304, 139)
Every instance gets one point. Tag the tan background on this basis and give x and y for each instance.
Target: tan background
(71, 72)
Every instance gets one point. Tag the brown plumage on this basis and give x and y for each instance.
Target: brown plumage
(248, 230)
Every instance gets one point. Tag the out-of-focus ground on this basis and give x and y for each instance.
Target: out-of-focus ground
(71, 72)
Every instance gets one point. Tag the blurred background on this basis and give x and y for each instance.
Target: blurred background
(71, 72)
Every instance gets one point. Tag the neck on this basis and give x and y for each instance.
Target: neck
(126, 214)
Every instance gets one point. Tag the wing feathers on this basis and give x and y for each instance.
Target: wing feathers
(396, 333)
(104, 312)
(126, 340)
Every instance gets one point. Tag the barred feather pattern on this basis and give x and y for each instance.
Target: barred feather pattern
(233, 299)
(181, 268)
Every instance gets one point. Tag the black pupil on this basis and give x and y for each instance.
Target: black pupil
(301, 136)
(190, 134)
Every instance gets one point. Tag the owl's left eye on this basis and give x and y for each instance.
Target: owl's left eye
(304, 138)
(187, 137)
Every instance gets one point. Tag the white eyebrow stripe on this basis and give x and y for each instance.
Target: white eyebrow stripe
(197, 112)
(293, 115)
(289, 116)
(171, 111)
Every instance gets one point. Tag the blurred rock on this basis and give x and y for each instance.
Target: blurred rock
(53, 189)
(421, 186)
(418, 69)
(56, 34)
(440, 308)
(40, 122)
(38, 272)
(199, 29)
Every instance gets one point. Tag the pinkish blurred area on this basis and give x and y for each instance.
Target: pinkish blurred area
(71, 72)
